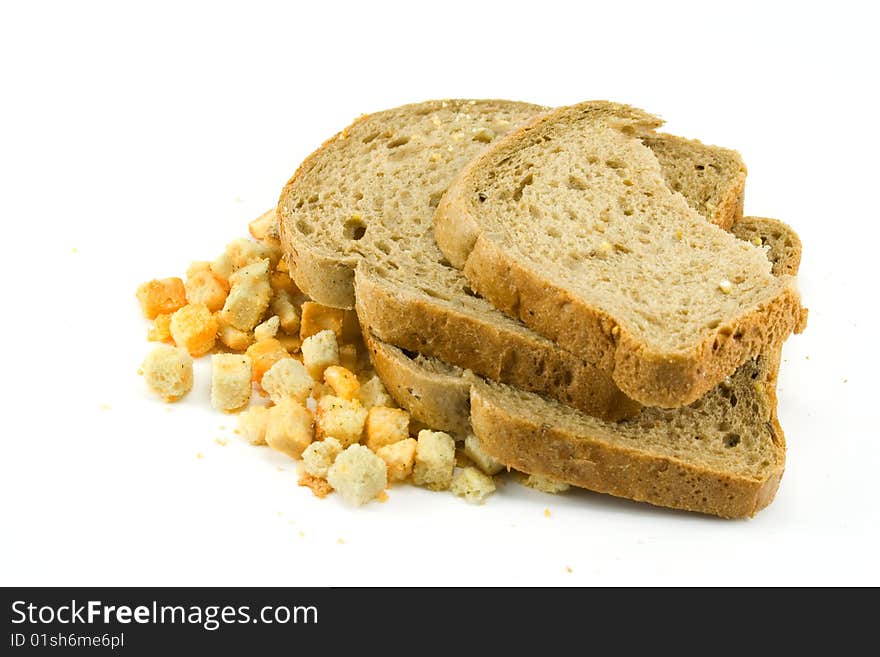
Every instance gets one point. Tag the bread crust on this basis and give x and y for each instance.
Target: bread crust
(526, 445)
(651, 377)
(456, 401)
(518, 358)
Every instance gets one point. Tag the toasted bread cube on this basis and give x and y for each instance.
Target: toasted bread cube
(160, 331)
(472, 485)
(249, 296)
(168, 372)
(291, 343)
(339, 418)
(268, 329)
(373, 393)
(288, 379)
(161, 297)
(319, 456)
(244, 252)
(385, 426)
(321, 390)
(282, 282)
(230, 381)
(194, 327)
(435, 460)
(348, 357)
(343, 382)
(289, 429)
(222, 266)
(545, 484)
(473, 449)
(320, 351)
(252, 423)
(316, 318)
(265, 354)
(233, 338)
(205, 287)
(399, 458)
(265, 226)
(282, 305)
(358, 475)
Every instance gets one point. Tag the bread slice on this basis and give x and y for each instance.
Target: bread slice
(568, 224)
(723, 454)
(356, 220)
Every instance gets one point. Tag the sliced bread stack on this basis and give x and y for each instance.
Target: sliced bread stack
(584, 311)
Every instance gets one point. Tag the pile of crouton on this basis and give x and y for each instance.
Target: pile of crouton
(298, 376)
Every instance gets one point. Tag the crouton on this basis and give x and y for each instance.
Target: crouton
(320, 351)
(435, 460)
(291, 343)
(230, 381)
(385, 426)
(160, 331)
(205, 287)
(373, 393)
(161, 297)
(252, 424)
(249, 296)
(473, 449)
(243, 252)
(265, 354)
(316, 318)
(264, 227)
(234, 338)
(268, 329)
(358, 475)
(287, 379)
(194, 328)
(399, 458)
(222, 266)
(339, 418)
(282, 305)
(289, 429)
(472, 485)
(343, 382)
(282, 282)
(319, 456)
(168, 372)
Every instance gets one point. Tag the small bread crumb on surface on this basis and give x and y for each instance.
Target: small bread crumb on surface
(319, 487)
(547, 513)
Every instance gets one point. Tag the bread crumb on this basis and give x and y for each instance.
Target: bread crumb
(341, 541)
(568, 569)
(319, 487)
(725, 286)
(302, 534)
(198, 455)
(547, 513)
(220, 440)
(105, 407)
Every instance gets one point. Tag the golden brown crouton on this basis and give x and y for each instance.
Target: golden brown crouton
(194, 327)
(158, 297)
(316, 317)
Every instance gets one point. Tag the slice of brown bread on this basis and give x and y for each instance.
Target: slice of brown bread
(723, 454)
(357, 218)
(568, 224)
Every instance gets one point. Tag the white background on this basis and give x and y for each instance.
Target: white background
(136, 138)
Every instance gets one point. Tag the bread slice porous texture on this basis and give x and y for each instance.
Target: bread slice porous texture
(365, 230)
(723, 454)
(567, 224)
